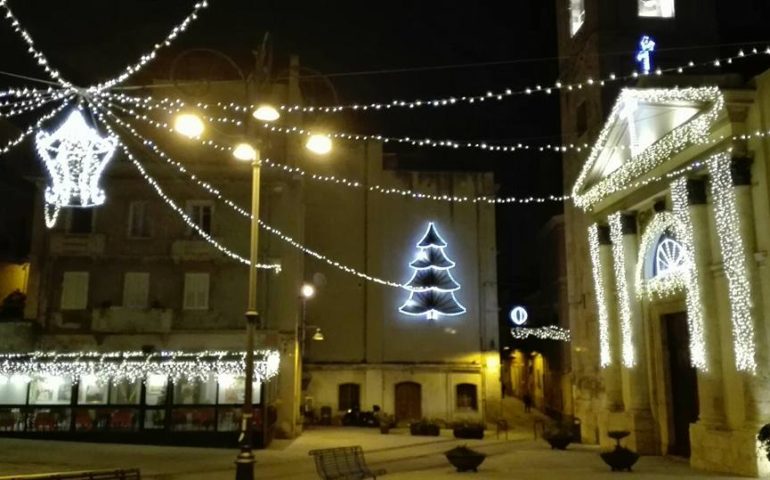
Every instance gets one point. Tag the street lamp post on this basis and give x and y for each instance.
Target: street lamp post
(191, 125)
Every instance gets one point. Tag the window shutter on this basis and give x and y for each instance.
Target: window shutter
(196, 291)
(136, 289)
(74, 292)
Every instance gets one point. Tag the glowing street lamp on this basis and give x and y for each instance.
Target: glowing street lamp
(266, 113)
(189, 124)
(307, 291)
(245, 152)
(319, 144)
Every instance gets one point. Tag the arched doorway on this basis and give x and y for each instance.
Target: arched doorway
(408, 401)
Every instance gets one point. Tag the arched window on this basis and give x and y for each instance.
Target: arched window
(669, 256)
(466, 397)
(349, 396)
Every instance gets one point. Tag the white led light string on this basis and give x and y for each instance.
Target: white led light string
(491, 96)
(605, 357)
(624, 297)
(693, 296)
(690, 133)
(147, 57)
(214, 191)
(132, 366)
(551, 332)
(734, 261)
(35, 126)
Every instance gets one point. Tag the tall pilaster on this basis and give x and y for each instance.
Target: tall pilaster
(613, 391)
(638, 416)
(710, 381)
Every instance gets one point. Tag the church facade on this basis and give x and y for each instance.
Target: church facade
(675, 189)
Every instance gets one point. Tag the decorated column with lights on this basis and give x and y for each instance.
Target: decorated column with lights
(609, 342)
(638, 419)
(758, 391)
(710, 380)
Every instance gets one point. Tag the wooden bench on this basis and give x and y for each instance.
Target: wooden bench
(342, 463)
(122, 474)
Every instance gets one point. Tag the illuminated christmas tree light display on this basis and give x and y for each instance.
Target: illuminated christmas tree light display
(432, 285)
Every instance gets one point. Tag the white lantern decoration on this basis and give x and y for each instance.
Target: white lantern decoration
(519, 315)
(75, 156)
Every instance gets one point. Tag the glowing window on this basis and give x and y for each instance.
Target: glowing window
(577, 15)
(669, 256)
(656, 8)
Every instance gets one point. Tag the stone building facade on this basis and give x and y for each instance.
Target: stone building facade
(675, 194)
(131, 275)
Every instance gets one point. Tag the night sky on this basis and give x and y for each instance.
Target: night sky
(92, 40)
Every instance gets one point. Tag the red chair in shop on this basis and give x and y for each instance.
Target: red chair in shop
(7, 421)
(83, 420)
(122, 419)
(203, 419)
(45, 421)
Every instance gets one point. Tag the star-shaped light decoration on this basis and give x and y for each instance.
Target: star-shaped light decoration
(75, 156)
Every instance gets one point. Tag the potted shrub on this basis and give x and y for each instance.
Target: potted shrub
(464, 459)
(558, 435)
(386, 422)
(425, 427)
(469, 429)
(621, 458)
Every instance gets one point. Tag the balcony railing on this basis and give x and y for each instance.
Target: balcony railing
(193, 250)
(77, 245)
(132, 320)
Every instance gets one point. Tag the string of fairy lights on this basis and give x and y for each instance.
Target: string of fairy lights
(77, 149)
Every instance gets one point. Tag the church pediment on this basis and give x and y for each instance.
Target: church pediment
(645, 128)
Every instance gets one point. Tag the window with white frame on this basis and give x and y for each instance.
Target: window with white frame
(138, 224)
(74, 291)
(577, 15)
(657, 8)
(136, 289)
(202, 214)
(196, 291)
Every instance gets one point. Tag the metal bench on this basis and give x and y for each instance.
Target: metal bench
(122, 474)
(342, 463)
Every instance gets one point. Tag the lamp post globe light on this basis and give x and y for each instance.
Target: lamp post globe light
(248, 150)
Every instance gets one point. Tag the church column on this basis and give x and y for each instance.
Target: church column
(710, 382)
(625, 246)
(757, 389)
(610, 337)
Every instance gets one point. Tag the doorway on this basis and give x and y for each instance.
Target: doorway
(683, 383)
(408, 401)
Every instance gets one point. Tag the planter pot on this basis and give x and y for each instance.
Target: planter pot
(558, 442)
(464, 459)
(384, 429)
(426, 430)
(620, 459)
(469, 432)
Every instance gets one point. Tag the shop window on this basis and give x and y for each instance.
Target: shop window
(13, 390)
(196, 291)
(50, 390)
(136, 289)
(349, 396)
(657, 8)
(231, 390)
(192, 392)
(155, 390)
(465, 396)
(577, 15)
(74, 291)
(92, 390)
(125, 392)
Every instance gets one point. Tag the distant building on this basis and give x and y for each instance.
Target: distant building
(130, 275)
